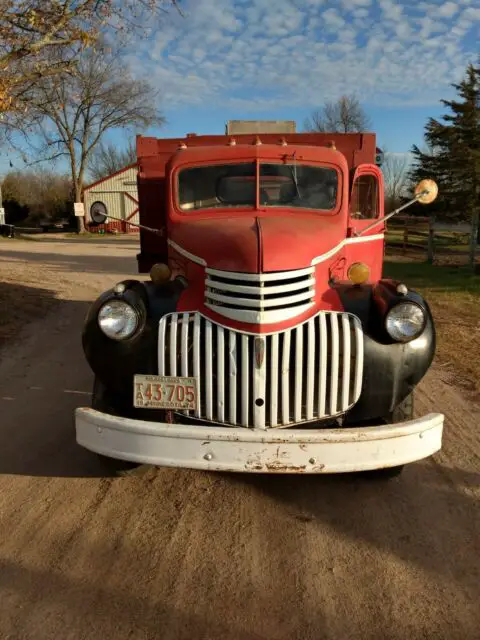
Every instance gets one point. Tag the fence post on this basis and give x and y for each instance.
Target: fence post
(405, 239)
(431, 240)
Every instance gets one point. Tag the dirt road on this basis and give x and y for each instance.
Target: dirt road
(181, 554)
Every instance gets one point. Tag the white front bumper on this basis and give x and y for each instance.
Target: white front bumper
(257, 450)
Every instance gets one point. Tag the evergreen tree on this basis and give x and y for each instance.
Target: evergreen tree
(452, 157)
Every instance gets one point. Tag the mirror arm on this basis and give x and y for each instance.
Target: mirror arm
(392, 213)
(158, 232)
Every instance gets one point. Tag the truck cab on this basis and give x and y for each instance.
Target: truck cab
(266, 338)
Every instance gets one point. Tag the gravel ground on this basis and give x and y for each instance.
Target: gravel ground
(180, 554)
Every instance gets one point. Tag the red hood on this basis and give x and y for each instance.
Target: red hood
(293, 242)
(252, 245)
(228, 244)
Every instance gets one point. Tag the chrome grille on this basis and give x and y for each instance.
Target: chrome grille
(311, 372)
(260, 297)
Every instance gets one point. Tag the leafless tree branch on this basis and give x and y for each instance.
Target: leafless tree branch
(346, 115)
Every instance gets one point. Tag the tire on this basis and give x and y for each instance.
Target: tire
(113, 466)
(401, 413)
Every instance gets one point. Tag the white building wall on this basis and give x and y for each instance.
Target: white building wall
(119, 194)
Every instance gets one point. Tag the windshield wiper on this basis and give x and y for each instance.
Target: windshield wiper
(293, 171)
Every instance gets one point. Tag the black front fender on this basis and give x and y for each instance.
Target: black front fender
(391, 369)
(116, 362)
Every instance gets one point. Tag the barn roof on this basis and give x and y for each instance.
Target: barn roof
(112, 175)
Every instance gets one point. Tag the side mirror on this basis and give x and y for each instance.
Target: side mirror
(98, 213)
(426, 191)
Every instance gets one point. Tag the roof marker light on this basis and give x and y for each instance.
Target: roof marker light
(182, 146)
(257, 142)
(232, 142)
(283, 142)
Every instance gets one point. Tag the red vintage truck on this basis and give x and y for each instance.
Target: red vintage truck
(266, 338)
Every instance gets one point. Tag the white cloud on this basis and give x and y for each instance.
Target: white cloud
(472, 13)
(257, 54)
(447, 10)
(360, 13)
(391, 10)
(333, 19)
(348, 4)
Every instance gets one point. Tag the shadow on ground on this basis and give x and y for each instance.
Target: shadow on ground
(81, 263)
(19, 306)
(43, 378)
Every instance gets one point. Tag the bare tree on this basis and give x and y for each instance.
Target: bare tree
(108, 158)
(346, 115)
(396, 173)
(74, 112)
(40, 38)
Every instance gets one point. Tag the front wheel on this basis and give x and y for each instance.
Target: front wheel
(401, 413)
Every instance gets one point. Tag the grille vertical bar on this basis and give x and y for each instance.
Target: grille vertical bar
(274, 381)
(346, 362)
(162, 329)
(259, 377)
(322, 378)
(220, 374)
(358, 378)
(184, 352)
(286, 378)
(173, 344)
(232, 369)
(197, 361)
(310, 369)
(298, 373)
(334, 364)
(313, 371)
(245, 380)
(208, 370)
(184, 349)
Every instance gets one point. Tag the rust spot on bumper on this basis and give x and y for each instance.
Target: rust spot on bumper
(276, 465)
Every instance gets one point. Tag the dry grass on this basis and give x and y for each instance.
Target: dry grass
(454, 297)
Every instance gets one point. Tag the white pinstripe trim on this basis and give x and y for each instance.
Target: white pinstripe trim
(332, 252)
(186, 253)
(315, 261)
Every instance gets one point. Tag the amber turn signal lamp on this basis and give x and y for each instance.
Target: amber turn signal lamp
(358, 273)
(160, 273)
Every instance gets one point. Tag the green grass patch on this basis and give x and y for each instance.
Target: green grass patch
(435, 278)
(453, 294)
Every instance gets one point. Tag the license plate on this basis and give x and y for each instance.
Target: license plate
(165, 392)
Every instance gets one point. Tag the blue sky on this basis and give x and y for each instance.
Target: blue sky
(280, 59)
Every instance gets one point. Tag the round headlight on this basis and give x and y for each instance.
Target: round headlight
(117, 319)
(405, 321)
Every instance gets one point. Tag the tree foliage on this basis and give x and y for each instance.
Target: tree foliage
(43, 38)
(452, 153)
(38, 195)
(72, 113)
(108, 158)
(346, 115)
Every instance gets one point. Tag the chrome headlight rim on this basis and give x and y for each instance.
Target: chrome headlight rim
(403, 337)
(131, 320)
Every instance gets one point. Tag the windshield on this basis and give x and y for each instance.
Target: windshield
(298, 185)
(281, 185)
